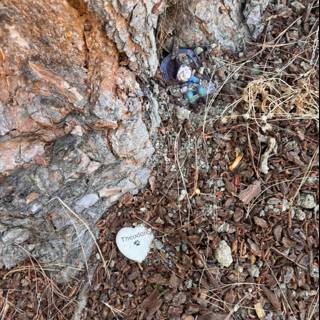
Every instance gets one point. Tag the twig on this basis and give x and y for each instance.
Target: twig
(207, 109)
(176, 155)
(304, 179)
(114, 310)
(196, 174)
(5, 308)
(235, 308)
(282, 293)
(311, 312)
(251, 153)
(83, 296)
(283, 255)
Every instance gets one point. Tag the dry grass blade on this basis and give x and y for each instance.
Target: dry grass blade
(279, 100)
(212, 100)
(115, 311)
(313, 306)
(305, 177)
(176, 155)
(282, 293)
(283, 255)
(38, 268)
(5, 308)
(88, 229)
(235, 308)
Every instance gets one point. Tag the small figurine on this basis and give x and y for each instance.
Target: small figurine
(182, 68)
(185, 74)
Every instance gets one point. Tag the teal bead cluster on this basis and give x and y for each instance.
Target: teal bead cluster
(193, 95)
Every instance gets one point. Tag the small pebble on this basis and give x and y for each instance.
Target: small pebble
(184, 247)
(201, 70)
(315, 271)
(300, 215)
(198, 50)
(254, 271)
(306, 66)
(288, 275)
(220, 183)
(182, 196)
(189, 284)
(158, 244)
(297, 5)
(222, 228)
(223, 254)
(239, 269)
(307, 201)
(182, 113)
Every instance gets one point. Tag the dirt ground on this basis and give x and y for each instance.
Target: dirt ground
(241, 167)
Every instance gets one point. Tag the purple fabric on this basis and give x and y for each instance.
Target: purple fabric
(169, 67)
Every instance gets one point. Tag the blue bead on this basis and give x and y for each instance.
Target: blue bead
(202, 91)
(194, 79)
(189, 95)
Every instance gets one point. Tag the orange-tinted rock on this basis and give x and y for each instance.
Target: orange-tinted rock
(16, 153)
(71, 121)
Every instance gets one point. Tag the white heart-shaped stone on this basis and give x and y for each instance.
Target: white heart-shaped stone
(135, 243)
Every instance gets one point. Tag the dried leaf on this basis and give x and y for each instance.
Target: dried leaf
(230, 297)
(236, 162)
(174, 281)
(254, 248)
(230, 187)
(213, 316)
(151, 305)
(277, 232)
(273, 299)
(152, 183)
(251, 192)
(145, 305)
(158, 279)
(288, 243)
(260, 222)
(260, 311)
(295, 158)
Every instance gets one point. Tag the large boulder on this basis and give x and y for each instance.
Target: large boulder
(72, 129)
(228, 23)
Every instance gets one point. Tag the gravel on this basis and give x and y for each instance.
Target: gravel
(307, 201)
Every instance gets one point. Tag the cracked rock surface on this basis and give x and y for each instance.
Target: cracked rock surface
(71, 122)
(226, 23)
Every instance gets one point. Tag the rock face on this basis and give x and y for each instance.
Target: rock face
(71, 121)
(73, 130)
(227, 23)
